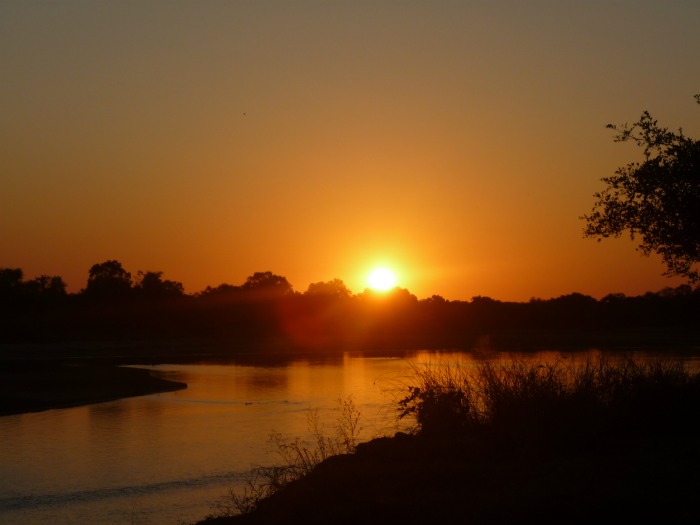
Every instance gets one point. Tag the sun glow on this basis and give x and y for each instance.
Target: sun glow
(381, 279)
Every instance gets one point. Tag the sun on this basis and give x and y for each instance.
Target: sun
(381, 279)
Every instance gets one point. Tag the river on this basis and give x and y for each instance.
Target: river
(171, 458)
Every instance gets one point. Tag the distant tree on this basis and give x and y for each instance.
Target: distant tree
(480, 300)
(10, 280)
(679, 291)
(613, 298)
(267, 285)
(435, 300)
(152, 285)
(335, 288)
(659, 199)
(402, 296)
(219, 291)
(573, 299)
(394, 299)
(11, 286)
(108, 280)
(47, 287)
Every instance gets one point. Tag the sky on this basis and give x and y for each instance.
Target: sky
(457, 143)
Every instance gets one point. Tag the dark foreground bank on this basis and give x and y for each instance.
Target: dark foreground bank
(517, 443)
(410, 480)
(43, 385)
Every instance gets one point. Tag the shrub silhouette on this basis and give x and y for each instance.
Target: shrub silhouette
(530, 405)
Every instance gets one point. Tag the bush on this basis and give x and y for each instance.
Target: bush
(526, 404)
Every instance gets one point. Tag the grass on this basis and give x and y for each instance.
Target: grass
(517, 441)
(531, 405)
(297, 458)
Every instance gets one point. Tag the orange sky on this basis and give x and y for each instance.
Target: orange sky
(456, 142)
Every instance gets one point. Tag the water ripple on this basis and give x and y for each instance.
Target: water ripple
(16, 503)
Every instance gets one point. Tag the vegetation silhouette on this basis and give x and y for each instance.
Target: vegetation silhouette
(658, 199)
(265, 314)
(108, 281)
(151, 286)
(297, 459)
(514, 441)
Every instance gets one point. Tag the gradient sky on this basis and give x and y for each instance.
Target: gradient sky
(455, 142)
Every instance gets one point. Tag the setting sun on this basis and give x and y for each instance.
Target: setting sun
(381, 279)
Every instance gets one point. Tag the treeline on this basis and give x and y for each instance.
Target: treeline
(266, 313)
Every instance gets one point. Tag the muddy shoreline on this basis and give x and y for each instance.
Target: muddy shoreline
(32, 386)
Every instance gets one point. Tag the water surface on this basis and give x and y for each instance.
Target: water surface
(170, 458)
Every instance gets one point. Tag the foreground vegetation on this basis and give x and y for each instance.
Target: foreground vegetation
(512, 442)
(523, 405)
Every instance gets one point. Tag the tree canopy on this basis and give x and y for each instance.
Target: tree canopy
(657, 199)
(266, 314)
(334, 289)
(152, 285)
(267, 285)
(108, 280)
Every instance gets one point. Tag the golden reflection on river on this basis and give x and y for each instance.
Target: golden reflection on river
(170, 457)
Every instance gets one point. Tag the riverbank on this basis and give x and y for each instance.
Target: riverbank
(512, 443)
(32, 386)
(407, 479)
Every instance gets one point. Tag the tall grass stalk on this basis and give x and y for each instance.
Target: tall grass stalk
(297, 457)
(527, 403)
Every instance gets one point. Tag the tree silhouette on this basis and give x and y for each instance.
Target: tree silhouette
(267, 285)
(10, 281)
(335, 288)
(47, 287)
(108, 280)
(14, 290)
(659, 199)
(151, 285)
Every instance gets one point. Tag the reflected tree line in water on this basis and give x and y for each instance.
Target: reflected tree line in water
(265, 312)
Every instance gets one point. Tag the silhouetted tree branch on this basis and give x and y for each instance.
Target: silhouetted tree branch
(658, 200)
